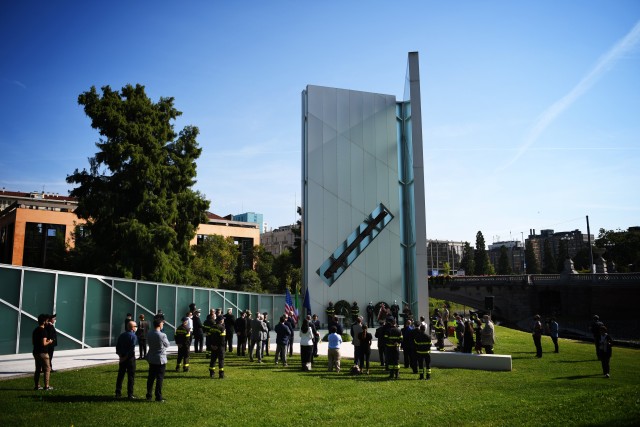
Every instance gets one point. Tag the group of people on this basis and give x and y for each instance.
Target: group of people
(44, 339)
(472, 334)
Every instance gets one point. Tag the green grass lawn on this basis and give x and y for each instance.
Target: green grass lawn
(559, 389)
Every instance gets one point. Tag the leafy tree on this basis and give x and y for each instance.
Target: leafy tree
(530, 259)
(622, 247)
(504, 266)
(467, 262)
(214, 263)
(549, 265)
(446, 268)
(137, 197)
(581, 262)
(481, 256)
(263, 261)
(250, 281)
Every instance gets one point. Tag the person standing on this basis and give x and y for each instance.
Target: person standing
(356, 329)
(422, 342)
(241, 330)
(605, 350)
(554, 330)
(267, 342)
(182, 338)
(445, 319)
(596, 327)
(126, 350)
(408, 347)
(258, 334)
(537, 335)
(365, 348)
(331, 311)
(40, 343)
(282, 340)
(380, 332)
(467, 338)
(157, 357)
(370, 314)
(52, 334)
(335, 342)
(218, 347)
(141, 334)
(209, 323)
(292, 326)
(395, 309)
(229, 326)
(316, 334)
(198, 331)
(393, 341)
(355, 312)
(306, 345)
(488, 334)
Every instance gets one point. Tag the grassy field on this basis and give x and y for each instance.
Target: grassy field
(559, 389)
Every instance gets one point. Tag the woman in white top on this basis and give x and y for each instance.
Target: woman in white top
(306, 345)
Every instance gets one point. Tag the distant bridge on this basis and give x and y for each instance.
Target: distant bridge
(572, 298)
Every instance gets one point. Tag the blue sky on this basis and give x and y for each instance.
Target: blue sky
(531, 109)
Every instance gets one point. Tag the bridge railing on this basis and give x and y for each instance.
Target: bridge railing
(533, 279)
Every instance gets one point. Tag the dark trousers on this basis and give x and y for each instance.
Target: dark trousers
(555, 343)
(228, 338)
(217, 355)
(393, 359)
(198, 341)
(156, 373)
(306, 355)
(142, 346)
(381, 351)
(183, 357)
(257, 344)
(315, 346)
(290, 346)
(365, 356)
(357, 355)
(409, 355)
(265, 346)
(488, 349)
(537, 340)
(241, 348)
(369, 320)
(127, 366)
(424, 363)
(604, 360)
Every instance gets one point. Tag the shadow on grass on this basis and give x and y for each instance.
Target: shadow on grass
(77, 398)
(574, 361)
(578, 377)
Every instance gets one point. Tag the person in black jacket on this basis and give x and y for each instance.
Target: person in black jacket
(141, 334)
(422, 342)
(52, 334)
(380, 331)
(230, 328)
(198, 332)
(266, 343)
(182, 338)
(408, 348)
(241, 331)
(292, 326)
(283, 334)
(393, 340)
(218, 346)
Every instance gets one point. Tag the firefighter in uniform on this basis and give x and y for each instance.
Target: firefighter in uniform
(331, 311)
(218, 347)
(393, 339)
(355, 312)
(209, 323)
(422, 341)
(183, 341)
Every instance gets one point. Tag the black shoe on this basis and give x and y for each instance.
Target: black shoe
(132, 397)
(118, 395)
(149, 397)
(428, 376)
(421, 377)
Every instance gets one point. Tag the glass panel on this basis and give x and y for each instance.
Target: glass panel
(10, 289)
(147, 296)
(69, 307)
(65, 343)
(27, 326)
(243, 301)
(202, 301)
(185, 298)
(98, 314)
(9, 322)
(217, 300)
(37, 296)
(167, 303)
(127, 288)
(121, 307)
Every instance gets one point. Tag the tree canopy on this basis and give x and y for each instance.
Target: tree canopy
(137, 196)
(481, 257)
